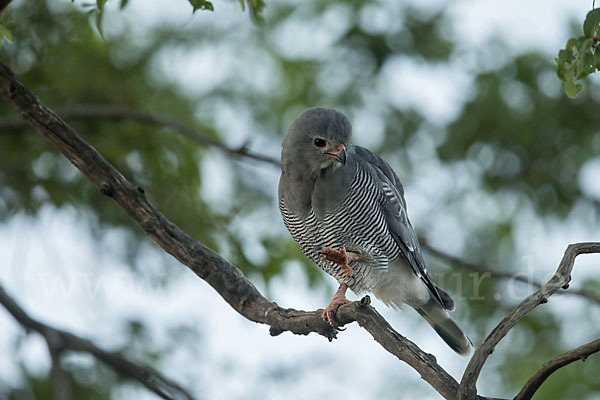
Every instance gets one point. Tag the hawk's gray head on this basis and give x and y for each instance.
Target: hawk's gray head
(316, 140)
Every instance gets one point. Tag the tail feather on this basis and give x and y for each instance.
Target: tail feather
(441, 322)
(446, 298)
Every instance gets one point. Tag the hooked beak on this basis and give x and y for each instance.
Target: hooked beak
(340, 154)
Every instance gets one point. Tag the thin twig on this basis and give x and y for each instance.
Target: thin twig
(115, 113)
(467, 389)
(495, 272)
(534, 383)
(60, 341)
(61, 384)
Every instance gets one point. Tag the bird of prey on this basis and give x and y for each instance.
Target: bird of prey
(344, 206)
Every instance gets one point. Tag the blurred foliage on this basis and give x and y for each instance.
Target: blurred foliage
(571, 382)
(202, 5)
(88, 380)
(41, 388)
(580, 57)
(5, 30)
(523, 138)
(151, 157)
(97, 11)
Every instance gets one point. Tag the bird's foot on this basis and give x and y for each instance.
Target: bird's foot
(338, 299)
(340, 257)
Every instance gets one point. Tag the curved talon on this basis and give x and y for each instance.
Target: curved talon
(338, 299)
(329, 316)
(318, 249)
(332, 318)
(365, 301)
(353, 277)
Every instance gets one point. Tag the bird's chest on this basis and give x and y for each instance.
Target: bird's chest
(339, 215)
(314, 229)
(330, 192)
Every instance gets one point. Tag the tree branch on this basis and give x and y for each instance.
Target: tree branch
(484, 268)
(60, 377)
(467, 389)
(549, 367)
(117, 113)
(224, 277)
(60, 341)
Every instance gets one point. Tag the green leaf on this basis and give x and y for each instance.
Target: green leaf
(100, 4)
(201, 5)
(574, 43)
(566, 59)
(5, 34)
(257, 7)
(591, 23)
(563, 60)
(123, 4)
(588, 63)
(98, 17)
(571, 88)
(576, 61)
(564, 56)
(580, 65)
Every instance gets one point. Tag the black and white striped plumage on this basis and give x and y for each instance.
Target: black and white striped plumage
(357, 204)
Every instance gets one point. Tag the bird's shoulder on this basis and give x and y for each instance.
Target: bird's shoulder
(371, 162)
(294, 195)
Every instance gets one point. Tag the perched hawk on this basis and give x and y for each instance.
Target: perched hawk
(345, 208)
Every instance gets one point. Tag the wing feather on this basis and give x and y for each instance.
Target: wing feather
(397, 220)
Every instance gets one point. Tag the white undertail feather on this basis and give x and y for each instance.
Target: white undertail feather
(404, 287)
(401, 286)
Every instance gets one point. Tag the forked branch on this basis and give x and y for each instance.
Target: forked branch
(561, 279)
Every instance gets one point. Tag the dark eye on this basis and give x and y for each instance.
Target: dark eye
(320, 142)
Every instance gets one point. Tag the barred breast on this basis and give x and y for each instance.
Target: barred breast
(357, 224)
